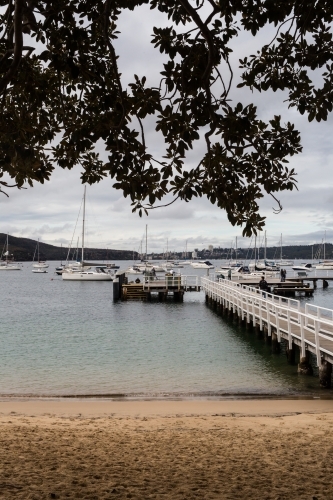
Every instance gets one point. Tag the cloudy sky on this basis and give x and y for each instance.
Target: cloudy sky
(50, 211)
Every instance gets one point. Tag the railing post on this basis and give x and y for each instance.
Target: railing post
(278, 325)
(253, 312)
(317, 344)
(319, 317)
(302, 336)
(306, 315)
(260, 312)
(290, 341)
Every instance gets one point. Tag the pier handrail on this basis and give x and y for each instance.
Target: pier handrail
(177, 280)
(310, 326)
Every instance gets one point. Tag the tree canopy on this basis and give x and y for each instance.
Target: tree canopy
(62, 94)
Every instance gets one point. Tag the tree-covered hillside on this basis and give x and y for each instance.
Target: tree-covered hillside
(23, 249)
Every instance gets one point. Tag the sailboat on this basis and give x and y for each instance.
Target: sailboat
(41, 266)
(7, 265)
(324, 265)
(82, 273)
(283, 262)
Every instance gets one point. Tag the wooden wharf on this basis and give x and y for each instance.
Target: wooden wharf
(162, 288)
(310, 327)
(286, 288)
(313, 279)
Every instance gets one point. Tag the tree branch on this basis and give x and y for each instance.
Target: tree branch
(18, 45)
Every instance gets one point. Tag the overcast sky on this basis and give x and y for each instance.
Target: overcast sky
(50, 211)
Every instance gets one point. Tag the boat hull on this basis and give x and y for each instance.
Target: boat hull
(10, 268)
(86, 276)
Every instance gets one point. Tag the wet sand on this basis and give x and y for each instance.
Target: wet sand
(93, 449)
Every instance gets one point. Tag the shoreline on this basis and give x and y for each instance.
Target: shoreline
(170, 396)
(159, 408)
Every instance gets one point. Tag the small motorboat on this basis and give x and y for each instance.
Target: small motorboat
(302, 267)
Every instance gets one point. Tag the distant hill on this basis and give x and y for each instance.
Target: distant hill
(23, 249)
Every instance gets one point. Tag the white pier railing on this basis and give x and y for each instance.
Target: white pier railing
(171, 282)
(310, 327)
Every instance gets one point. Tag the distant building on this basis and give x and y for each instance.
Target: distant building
(194, 255)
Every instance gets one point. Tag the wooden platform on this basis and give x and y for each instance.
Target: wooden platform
(148, 287)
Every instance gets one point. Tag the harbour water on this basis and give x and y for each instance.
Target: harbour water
(70, 339)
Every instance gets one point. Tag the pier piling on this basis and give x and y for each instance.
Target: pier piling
(304, 365)
(325, 374)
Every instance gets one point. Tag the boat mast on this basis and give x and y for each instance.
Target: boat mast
(7, 253)
(146, 242)
(83, 221)
(324, 244)
(255, 250)
(281, 249)
(236, 250)
(265, 246)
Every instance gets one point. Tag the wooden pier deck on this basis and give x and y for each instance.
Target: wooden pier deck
(163, 287)
(290, 287)
(309, 327)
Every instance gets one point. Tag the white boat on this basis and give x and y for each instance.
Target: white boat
(133, 270)
(259, 274)
(302, 267)
(283, 262)
(69, 265)
(326, 265)
(82, 274)
(94, 275)
(39, 270)
(225, 272)
(7, 264)
(263, 265)
(232, 265)
(202, 264)
(40, 264)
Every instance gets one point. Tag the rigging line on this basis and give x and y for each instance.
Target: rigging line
(71, 243)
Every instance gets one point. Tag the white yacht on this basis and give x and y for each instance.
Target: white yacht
(202, 264)
(133, 270)
(326, 265)
(98, 274)
(303, 267)
(39, 270)
(235, 264)
(40, 264)
(7, 264)
(83, 274)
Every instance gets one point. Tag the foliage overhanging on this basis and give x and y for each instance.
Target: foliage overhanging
(58, 103)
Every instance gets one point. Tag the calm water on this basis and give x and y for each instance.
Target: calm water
(69, 338)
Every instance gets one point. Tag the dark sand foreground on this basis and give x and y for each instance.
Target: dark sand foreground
(166, 449)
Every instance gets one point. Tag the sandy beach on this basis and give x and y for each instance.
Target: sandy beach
(95, 449)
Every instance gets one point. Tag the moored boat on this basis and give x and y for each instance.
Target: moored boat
(7, 264)
(82, 273)
(202, 264)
